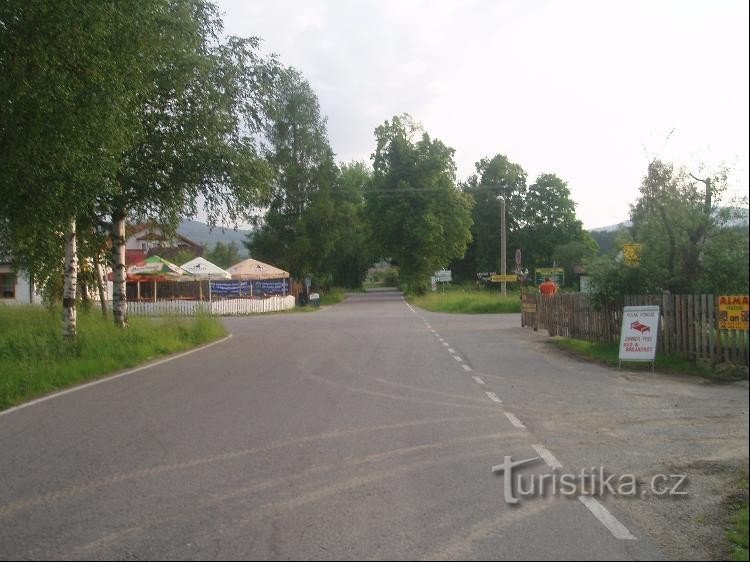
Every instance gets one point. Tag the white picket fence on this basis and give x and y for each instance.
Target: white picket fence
(223, 307)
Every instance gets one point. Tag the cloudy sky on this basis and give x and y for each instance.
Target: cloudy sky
(587, 90)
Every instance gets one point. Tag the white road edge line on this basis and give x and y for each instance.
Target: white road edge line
(466, 367)
(618, 530)
(478, 380)
(492, 396)
(514, 420)
(548, 457)
(112, 377)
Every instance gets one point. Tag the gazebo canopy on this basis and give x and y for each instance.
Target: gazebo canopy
(254, 270)
(201, 268)
(155, 268)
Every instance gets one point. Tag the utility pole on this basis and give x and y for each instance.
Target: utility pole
(503, 260)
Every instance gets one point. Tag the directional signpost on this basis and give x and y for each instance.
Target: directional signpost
(509, 278)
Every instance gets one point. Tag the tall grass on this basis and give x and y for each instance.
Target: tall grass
(738, 534)
(35, 358)
(608, 353)
(333, 296)
(468, 302)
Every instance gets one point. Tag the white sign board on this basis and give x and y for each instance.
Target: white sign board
(640, 327)
(444, 276)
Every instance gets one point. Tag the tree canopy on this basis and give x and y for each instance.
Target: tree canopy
(418, 216)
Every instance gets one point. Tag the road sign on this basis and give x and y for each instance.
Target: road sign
(510, 278)
(733, 312)
(632, 254)
(444, 276)
(556, 274)
(640, 326)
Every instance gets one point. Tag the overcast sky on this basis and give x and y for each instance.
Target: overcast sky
(587, 90)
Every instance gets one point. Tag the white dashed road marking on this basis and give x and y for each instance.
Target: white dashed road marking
(478, 380)
(548, 457)
(492, 396)
(457, 358)
(514, 420)
(466, 367)
(618, 530)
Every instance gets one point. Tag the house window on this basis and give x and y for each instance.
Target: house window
(8, 285)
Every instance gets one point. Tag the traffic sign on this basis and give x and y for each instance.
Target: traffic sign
(519, 257)
(510, 278)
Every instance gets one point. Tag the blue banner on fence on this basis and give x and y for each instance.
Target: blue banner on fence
(242, 288)
(271, 287)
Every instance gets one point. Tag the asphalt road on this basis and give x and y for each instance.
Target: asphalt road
(367, 430)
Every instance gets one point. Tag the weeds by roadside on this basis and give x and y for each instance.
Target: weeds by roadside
(468, 302)
(737, 533)
(608, 355)
(35, 358)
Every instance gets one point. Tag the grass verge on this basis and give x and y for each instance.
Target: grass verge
(608, 355)
(467, 302)
(333, 296)
(738, 534)
(35, 359)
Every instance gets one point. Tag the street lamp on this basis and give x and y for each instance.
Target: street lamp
(503, 259)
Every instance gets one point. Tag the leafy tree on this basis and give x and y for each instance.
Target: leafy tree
(549, 221)
(417, 215)
(725, 262)
(70, 75)
(224, 255)
(687, 242)
(334, 222)
(606, 240)
(574, 253)
(675, 219)
(494, 176)
(301, 157)
(198, 126)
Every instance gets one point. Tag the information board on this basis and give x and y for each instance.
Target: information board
(509, 278)
(640, 328)
(733, 312)
(556, 274)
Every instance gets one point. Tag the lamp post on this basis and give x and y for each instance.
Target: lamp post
(503, 259)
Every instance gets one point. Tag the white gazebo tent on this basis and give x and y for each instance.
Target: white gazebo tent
(201, 268)
(254, 270)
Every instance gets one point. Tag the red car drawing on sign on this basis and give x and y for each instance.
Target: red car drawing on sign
(637, 325)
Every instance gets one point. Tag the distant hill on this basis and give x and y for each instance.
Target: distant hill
(203, 234)
(613, 227)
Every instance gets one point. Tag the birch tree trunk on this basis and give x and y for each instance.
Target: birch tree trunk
(100, 284)
(70, 325)
(119, 296)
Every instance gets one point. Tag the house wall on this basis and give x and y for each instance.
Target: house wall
(24, 292)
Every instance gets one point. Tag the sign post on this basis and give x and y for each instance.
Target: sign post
(640, 328)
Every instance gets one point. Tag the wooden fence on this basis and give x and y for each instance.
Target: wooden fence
(688, 325)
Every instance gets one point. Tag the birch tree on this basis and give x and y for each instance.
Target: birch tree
(70, 77)
(198, 127)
